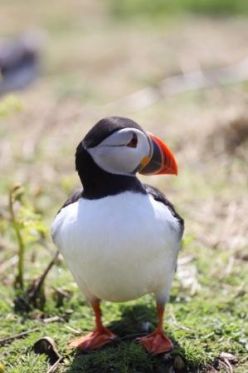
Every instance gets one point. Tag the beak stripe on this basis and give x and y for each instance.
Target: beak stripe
(162, 159)
(154, 166)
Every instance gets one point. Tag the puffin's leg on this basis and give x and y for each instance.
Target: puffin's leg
(156, 342)
(99, 337)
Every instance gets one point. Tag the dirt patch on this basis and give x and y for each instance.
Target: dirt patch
(230, 137)
(224, 221)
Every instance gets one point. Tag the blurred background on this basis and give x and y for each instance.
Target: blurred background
(179, 68)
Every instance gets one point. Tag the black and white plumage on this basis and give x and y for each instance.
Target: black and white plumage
(120, 238)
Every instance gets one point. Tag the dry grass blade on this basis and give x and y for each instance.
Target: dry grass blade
(11, 338)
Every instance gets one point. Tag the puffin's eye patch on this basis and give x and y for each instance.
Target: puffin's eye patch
(133, 142)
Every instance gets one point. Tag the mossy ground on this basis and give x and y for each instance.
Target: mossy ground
(90, 61)
(202, 326)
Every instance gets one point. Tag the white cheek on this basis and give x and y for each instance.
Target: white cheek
(117, 160)
(120, 159)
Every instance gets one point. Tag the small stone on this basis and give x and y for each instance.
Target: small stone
(179, 363)
(229, 357)
(146, 326)
(167, 357)
(47, 346)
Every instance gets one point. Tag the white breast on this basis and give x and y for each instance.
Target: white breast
(119, 247)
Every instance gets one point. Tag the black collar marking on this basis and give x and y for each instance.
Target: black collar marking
(98, 183)
(154, 192)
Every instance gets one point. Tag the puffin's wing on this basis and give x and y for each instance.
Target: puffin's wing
(59, 218)
(160, 197)
(73, 198)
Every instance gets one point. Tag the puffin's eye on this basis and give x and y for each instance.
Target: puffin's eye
(133, 142)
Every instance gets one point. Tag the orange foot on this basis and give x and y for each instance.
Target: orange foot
(93, 340)
(156, 343)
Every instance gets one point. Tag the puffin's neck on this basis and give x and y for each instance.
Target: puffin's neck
(98, 183)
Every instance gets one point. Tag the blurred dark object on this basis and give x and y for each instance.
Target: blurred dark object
(19, 62)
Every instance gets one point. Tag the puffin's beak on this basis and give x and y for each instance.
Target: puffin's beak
(161, 161)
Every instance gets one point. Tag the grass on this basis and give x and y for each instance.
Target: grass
(91, 60)
(201, 326)
(160, 8)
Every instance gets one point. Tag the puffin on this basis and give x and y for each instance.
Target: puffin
(120, 237)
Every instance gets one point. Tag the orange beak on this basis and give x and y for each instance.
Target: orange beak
(161, 161)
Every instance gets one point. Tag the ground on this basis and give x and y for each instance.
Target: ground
(93, 60)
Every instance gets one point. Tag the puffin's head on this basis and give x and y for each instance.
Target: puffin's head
(120, 146)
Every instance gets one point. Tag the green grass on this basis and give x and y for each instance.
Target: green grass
(164, 8)
(203, 325)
